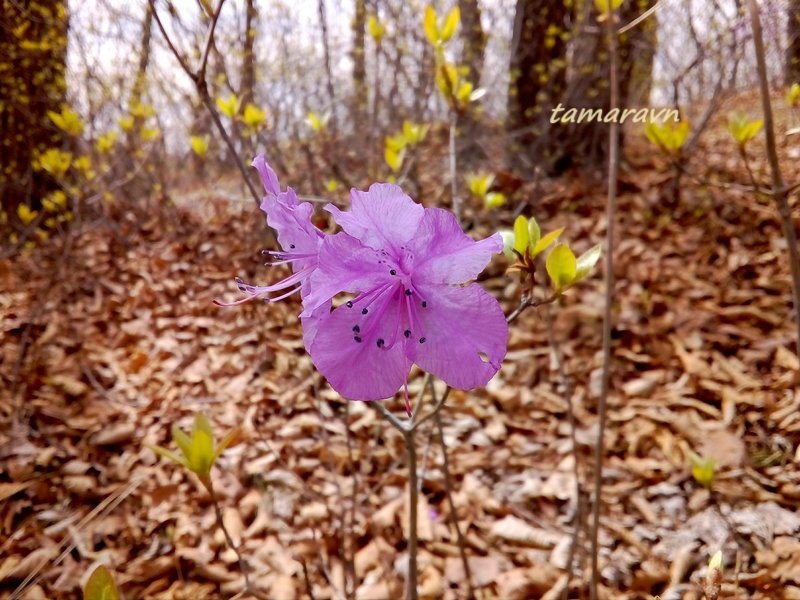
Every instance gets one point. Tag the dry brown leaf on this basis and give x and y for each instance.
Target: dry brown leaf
(516, 531)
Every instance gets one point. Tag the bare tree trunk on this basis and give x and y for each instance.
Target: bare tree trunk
(359, 63)
(32, 81)
(474, 39)
(539, 83)
(793, 47)
(248, 74)
(328, 72)
(537, 76)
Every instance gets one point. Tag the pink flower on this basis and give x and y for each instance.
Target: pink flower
(408, 268)
(300, 241)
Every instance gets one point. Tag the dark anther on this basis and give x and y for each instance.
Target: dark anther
(358, 339)
(407, 333)
(364, 311)
(349, 304)
(392, 272)
(424, 304)
(422, 340)
(356, 329)
(291, 246)
(408, 292)
(380, 342)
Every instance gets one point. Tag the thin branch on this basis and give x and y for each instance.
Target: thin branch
(567, 386)
(201, 72)
(781, 200)
(199, 79)
(453, 172)
(613, 168)
(413, 499)
(207, 483)
(639, 19)
(448, 489)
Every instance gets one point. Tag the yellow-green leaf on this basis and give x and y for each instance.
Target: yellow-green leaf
(54, 201)
(521, 235)
(544, 243)
(587, 261)
(670, 137)
(202, 453)
(414, 133)
(393, 158)
(229, 106)
(150, 133)
(479, 184)
(125, 123)
(494, 200)
(743, 130)
(561, 266)
(67, 120)
(429, 26)
(169, 455)
(793, 95)
(253, 116)
(199, 145)
(534, 235)
(55, 161)
(106, 141)
(184, 441)
(716, 561)
(141, 110)
(375, 28)
(26, 215)
(100, 586)
(704, 470)
(396, 142)
(606, 6)
(230, 438)
(450, 25)
(316, 122)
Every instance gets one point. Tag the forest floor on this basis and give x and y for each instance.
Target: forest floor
(108, 342)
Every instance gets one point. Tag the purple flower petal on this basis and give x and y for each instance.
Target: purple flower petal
(447, 254)
(382, 217)
(458, 325)
(291, 220)
(363, 356)
(268, 176)
(312, 323)
(345, 265)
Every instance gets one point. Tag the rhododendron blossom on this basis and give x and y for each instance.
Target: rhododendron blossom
(406, 266)
(407, 270)
(300, 241)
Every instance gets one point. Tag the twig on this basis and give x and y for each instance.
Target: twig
(413, 499)
(781, 200)
(208, 484)
(567, 385)
(613, 167)
(349, 558)
(102, 509)
(199, 79)
(453, 172)
(448, 489)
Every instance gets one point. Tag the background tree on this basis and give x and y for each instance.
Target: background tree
(33, 52)
(538, 75)
(793, 42)
(474, 39)
(359, 66)
(248, 73)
